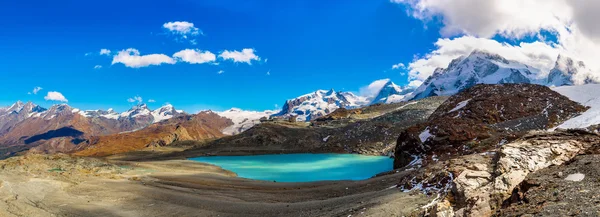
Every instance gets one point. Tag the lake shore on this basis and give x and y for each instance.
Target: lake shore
(185, 188)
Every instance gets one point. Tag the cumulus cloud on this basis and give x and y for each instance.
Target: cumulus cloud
(137, 99)
(104, 51)
(573, 22)
(183, 31)
(55, 96)
(151, 100)
(220, 72)
(131, 58)
(183, 28)
(373, 88)
(245, 56)
(195, 56)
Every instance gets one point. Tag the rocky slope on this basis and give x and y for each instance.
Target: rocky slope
(484, 117)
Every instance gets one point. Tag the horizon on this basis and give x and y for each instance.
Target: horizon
(255, 55)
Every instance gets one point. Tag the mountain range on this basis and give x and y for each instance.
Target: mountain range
(25, 126)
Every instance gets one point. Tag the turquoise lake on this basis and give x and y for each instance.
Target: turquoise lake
(302, 167)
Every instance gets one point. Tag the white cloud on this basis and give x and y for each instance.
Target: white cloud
(55, 96)
(36, 90)
(512, 18)
(269, 72)
(97, 67)
(195, 56)
(104, 51)
(398, 66)
(135, 99)
(220, 72)
(132, 58)
(183, 28)
(245, 56)
(573, 22)
(373, 89)
(151, 100)
(415, 84)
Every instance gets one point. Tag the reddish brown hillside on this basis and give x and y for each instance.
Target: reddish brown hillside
(202, 126)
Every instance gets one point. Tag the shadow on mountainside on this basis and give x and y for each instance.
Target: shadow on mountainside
(62, 132)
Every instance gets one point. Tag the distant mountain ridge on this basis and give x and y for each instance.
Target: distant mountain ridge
(61, 127)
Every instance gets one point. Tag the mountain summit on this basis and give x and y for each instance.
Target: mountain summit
(569, 72)
(319, 103)
(392, 93)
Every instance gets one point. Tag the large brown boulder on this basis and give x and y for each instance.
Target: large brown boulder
(483, 117)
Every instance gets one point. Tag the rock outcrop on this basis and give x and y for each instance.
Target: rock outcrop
(481, 184)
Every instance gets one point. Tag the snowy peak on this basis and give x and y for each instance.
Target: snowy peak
(569, 72)
(22, 109)
(391, 93)
(479, 67)
(135, 111)
(319, 103)
(163, 113)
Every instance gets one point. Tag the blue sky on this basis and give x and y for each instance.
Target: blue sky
(309, 45)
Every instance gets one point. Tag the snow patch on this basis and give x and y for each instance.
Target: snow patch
(460, 106)
(426, 134)
(587, 95)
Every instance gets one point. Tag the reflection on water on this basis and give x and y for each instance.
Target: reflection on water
(302, 167)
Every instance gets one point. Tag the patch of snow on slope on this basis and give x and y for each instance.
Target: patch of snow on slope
(425, 135)
(243, 120)
(460, 106)
(587, 95)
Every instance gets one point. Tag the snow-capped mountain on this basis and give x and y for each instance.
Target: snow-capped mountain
(165, 112)
(569, 72)
(392, 93)
(319, 103)
(243, 120)
(17, 112)
(479, 67)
